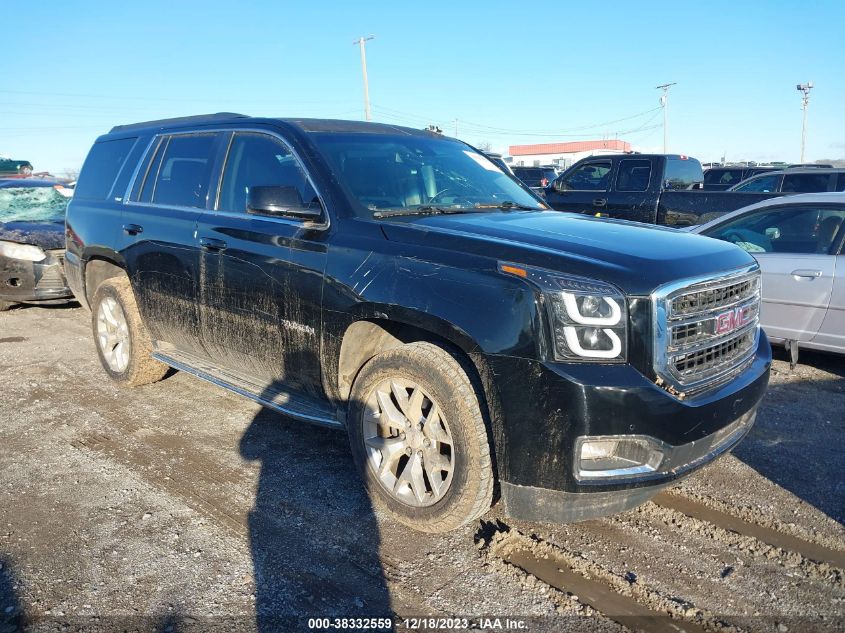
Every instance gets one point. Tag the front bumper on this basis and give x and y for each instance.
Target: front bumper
(544, 408)
(26, 281)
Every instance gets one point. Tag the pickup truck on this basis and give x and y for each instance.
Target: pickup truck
(653, 188)
(396, 284)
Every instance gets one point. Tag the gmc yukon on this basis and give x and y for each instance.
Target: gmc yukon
(398, 284)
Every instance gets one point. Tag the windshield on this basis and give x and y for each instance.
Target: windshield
(31, 204)
(381, 172)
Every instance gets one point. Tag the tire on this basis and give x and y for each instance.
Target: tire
(440, 499)
(5, 305)
(135, 366)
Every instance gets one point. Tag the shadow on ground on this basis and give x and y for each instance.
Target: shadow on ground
(313, 533)
(803, 453)
(11, 612)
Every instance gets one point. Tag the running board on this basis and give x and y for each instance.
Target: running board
(295, 406)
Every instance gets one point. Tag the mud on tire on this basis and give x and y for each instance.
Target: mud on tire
(446, 385)
(141, 368)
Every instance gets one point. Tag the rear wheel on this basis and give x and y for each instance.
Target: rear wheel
(419, 439)
(123, 345)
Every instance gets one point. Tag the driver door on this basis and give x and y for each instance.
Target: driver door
(582, 189)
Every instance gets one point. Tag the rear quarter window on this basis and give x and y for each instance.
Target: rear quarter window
(805, 183)
(682, 173)
(105, 162)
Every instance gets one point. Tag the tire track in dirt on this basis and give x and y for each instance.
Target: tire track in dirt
(636, 607)
(786, 542)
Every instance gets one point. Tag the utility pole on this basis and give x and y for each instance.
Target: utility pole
(805, 101)
(360, 42)
(456, 128)
(664, 102)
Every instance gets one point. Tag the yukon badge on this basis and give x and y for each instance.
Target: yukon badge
(732, 319)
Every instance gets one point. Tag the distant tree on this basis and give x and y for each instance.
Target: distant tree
(484, 146)
(71, 173)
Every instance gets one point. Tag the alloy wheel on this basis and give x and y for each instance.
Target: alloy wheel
(113, 334)
(408, 442)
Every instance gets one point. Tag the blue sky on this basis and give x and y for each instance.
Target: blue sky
(509, 72)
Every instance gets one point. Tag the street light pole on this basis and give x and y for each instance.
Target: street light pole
(805, 101)
(360, 42)
(664, 102)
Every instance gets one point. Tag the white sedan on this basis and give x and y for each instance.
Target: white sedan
(798, 242)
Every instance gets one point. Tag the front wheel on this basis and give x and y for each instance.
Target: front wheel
(123, 344)
(419, 439)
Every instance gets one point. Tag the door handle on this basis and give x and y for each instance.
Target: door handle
(133, 229)
(599, 202)
(806, 273)
(212, 244)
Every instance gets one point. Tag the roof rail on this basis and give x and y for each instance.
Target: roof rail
(200, 118)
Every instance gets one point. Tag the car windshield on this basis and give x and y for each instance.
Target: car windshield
(31, 204)
(386, 172)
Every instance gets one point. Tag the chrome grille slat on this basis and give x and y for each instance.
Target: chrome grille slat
(707, 329)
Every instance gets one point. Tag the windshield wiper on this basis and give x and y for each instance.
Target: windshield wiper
(425, 209)
(507, 205)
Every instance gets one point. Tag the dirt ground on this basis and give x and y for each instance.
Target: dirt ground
(180, 507)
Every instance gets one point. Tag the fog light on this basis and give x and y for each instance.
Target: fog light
(616, 456)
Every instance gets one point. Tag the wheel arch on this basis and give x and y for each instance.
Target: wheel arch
(381, 330)
(97, 268)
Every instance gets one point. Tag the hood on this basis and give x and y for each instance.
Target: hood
(47, 235)
(637, 258)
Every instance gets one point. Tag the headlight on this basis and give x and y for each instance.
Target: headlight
(589, 319)
(27, 252)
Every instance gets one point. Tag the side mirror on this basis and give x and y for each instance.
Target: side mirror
(282, 201)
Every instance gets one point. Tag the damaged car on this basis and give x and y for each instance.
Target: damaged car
(32, 223)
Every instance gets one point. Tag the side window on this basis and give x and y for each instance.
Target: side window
(104, 163)
(589, 177)
(260, 160)
(682, 173)
(805, 183)
(634, 175)
(840, 185)
(762, 184)
(181, 171)
(797, 230)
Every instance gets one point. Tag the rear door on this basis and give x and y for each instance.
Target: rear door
(582, 189)
(628, 199)
(162, 258)
(792, 245)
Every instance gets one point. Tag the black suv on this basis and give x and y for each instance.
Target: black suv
(397, 283)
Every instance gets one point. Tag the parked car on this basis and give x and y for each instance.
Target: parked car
(798, 242)
(660, 189)
(32, 243)
(537, 178)
(723, 178)
(795, 180)
(10, 168)
(392, 281)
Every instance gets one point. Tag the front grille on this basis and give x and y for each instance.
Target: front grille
(707, 330)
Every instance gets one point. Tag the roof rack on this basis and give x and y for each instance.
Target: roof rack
(200, 118)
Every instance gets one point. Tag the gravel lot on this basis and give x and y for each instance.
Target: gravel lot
(179, 506)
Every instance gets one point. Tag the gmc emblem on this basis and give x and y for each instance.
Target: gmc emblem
(732, 319)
